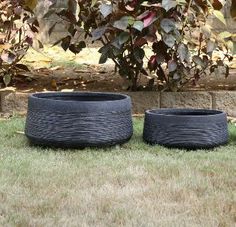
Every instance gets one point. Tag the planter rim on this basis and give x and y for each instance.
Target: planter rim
(168, 112)
(49, 95)
(51, 101)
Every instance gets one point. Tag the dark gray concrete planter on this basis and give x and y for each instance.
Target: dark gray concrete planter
(79, 119)
(186, 128)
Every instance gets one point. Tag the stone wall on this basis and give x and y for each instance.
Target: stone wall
(222, 100)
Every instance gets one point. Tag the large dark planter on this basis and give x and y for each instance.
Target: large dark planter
(79, 119)
(186, 128)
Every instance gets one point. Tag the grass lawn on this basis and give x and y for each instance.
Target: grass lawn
(132, 185)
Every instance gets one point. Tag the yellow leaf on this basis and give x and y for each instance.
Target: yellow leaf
(230, 46)
(93, 3)
(225, 35)
(219, 15)
(31, 4)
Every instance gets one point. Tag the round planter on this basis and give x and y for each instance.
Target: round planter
(79, 119)
(186, 128)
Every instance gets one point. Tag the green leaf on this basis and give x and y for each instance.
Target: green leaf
(176, 76)
(198, 61)
(139, 54)
(183, 52)
(168, 4)
(106, 9)
(105, 51)
(7, 79)
(167, 25)
(169, 40)
(123, 23)
(78, 47)
(98, 33)
(123, 37)
(138, 25)
(219, 15)
(172, 65)
(103, 58)
(116, 51)
(210, 46)
(66, 42)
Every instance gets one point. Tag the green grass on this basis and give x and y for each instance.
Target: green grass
(132, 185)
(66, 64)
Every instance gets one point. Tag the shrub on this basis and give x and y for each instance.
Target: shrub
(181, 41)
(17, 28)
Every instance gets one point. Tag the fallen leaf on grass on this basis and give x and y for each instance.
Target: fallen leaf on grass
(20, 132)
(56, 68)
(67, 90)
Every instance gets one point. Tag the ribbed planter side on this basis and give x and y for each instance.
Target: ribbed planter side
(79, 119)
(186, 128)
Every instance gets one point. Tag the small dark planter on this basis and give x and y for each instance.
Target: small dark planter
(79, 119)
(186, 128)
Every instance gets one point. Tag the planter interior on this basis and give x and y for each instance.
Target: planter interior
(185, 112)
(80, 97)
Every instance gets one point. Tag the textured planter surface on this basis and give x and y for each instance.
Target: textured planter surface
(79, 119)
(186, 128)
